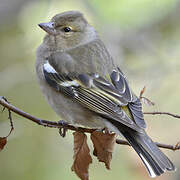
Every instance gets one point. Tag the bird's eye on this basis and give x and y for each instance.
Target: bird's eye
(67, 29)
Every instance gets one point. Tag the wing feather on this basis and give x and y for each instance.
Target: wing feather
(97, 94)
(134, 104)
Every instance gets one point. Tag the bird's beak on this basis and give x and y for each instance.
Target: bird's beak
(48, 27)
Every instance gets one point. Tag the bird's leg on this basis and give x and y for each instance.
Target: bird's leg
(63, 129)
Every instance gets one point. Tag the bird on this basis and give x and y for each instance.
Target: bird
(84, 86)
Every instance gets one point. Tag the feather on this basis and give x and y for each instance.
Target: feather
(93, 92)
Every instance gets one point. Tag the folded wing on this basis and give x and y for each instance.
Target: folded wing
(108, 99)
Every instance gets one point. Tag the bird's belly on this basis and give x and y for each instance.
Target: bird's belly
(71, 111)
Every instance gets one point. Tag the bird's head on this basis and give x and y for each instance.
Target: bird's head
(68, 29)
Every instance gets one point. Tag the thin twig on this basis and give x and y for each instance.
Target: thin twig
(149, 102)
(9, 117)
(60, 124)
(165, 146)
(165, 113)
(11, 123)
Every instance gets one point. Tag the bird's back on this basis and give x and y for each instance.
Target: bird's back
(91, 57)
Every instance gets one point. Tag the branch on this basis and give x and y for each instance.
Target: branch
(61, 124)
(166, 113)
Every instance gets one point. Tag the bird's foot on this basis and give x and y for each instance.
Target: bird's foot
(63, 129)
(105, 130)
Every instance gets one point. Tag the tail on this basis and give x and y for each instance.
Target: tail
(153, 158)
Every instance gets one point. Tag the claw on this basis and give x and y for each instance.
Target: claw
(63, 129)
(105, 130)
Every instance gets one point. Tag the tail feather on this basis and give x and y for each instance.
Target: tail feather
(153, 158)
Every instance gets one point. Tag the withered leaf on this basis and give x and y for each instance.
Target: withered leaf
(3, 141)
(81, 157)
(103, 146)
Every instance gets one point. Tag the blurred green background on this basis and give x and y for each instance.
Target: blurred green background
(143, 36)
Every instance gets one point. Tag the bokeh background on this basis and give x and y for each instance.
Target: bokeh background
(143, 36)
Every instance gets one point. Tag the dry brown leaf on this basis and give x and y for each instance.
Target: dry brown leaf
(3, 141)
(103, 146)
(81, 157)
